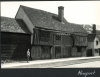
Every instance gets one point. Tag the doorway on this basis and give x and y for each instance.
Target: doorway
(89, 52)
(57, 52)
(46, 52)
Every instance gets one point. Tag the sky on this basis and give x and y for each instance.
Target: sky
(79, 12)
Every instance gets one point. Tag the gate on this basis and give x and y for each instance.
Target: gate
(89, 52)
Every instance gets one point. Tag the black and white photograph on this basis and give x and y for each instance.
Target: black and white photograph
(50, 34)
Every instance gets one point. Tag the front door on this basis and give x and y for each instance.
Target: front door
(57, 52)
(46, 52)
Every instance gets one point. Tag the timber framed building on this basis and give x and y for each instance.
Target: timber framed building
(50, 35)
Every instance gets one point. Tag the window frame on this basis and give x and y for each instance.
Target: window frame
(58, 39)
(45, 34)
(97, 42)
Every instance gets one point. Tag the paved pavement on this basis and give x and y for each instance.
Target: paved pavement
(36, 62)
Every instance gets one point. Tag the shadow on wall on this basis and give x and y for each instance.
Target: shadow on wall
(20, 53)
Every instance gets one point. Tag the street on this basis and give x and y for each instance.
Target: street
(80, 62)
(95, 64)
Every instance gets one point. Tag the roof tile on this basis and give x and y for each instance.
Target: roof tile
(48, 20)
(12, 25)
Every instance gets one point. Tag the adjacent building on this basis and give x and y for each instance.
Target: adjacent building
(15, 38)
(93, 48)
(97, 44)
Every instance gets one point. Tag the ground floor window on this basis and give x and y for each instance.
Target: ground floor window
(97, 50)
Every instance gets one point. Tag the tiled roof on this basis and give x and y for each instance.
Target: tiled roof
(48, 20)
(91, 37)
(12, 25)
(98, 32)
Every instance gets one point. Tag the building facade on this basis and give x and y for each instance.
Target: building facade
(51, 35)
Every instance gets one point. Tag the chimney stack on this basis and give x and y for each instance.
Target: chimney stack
(61, 13)
(94, 29)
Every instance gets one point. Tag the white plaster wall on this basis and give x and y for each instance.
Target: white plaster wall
(93, 46)
(96, 46)
(22, 15)
(90, 46)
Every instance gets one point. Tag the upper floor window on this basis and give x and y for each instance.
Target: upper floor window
(45, 34)
(96, 42)
(58, 37)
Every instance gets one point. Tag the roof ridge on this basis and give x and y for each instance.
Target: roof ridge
(37, 9)
(11, 25)
(6, 17)
(50, 20)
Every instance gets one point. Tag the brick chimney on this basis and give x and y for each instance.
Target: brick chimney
(94, 29)
(61, 13)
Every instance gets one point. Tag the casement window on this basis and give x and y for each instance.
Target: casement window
(96, 42)
(58, 49)
(77, 40)
(58, 37)
(45, 34)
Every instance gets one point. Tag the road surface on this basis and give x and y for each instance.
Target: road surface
(95, 64)
(79, 63)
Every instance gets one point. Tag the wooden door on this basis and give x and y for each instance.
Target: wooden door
(89, 52)
(46, 52)
(36, 52)
(57, 52)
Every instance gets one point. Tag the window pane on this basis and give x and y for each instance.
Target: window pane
(96, 42)
(58, 37)
(45, 34)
